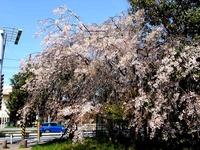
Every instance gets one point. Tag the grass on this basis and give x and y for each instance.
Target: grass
(53, 145)
(88, 144)
(102, 144)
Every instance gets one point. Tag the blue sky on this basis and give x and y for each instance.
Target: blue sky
(24, 14)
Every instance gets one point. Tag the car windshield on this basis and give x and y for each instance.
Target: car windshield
(49, 124)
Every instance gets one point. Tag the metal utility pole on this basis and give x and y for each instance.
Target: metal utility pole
(10, 35)
(2, 50)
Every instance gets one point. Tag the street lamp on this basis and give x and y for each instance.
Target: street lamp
(18, 36)
(10, 35)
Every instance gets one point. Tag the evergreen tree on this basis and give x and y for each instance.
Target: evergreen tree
(17, 97)
(179, 17)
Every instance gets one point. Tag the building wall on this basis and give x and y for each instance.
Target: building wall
(4, 117)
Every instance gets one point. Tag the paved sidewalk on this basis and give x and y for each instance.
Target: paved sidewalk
(17, 148)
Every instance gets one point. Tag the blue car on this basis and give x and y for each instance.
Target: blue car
(48, 127)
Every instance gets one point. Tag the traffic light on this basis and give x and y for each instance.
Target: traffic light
(1, 89)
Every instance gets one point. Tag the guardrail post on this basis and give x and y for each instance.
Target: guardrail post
(4, 144)
(23, 130)
(38, 131)
(11, 138)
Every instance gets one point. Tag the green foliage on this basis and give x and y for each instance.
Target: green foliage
(21, 147)
(88, 144)
(114, 115)
(17, 97)
(115, 123)
(105, 144)
(179, 17)
(114, 112)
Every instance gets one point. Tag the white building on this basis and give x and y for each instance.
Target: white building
(4, 117)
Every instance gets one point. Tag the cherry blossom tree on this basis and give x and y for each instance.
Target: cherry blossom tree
(120, 62)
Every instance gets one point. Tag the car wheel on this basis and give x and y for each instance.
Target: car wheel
(47, 131)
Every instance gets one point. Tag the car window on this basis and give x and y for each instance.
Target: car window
(53, 124)
(49, 124)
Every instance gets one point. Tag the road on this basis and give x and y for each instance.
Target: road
(15, 140)
(30, 140)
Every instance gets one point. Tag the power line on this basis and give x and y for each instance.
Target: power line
(12, 59)
(9, 67)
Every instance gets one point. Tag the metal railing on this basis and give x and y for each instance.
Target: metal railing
(28, 135)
